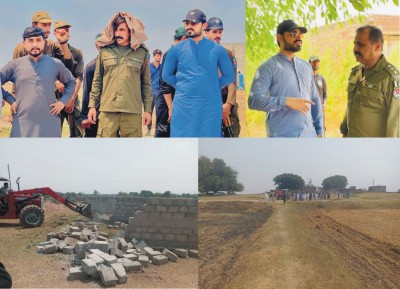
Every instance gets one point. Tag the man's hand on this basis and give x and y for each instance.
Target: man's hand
(91, 117)
(226, 110)
(86, 123)
(59, 86)
(146, 118)
(169, 114)
(13, 108)
(62, 35)
(69, 107)
(299, 104)
(3, 103)
(56, 107)
(323, 107)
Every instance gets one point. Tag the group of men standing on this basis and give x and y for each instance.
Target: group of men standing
(120, 86)
(294, 95)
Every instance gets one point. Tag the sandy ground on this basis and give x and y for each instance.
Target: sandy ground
(31, 270)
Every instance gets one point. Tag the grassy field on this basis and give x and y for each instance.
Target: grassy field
(247, 243)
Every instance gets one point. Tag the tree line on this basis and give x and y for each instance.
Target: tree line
(296, 182)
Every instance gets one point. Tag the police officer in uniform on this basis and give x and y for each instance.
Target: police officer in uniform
(373, 106)
(230, 107)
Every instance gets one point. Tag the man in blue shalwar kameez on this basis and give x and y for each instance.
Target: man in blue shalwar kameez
(35, 110)
(192, 68)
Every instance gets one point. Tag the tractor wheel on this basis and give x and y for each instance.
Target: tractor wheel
(31, 216)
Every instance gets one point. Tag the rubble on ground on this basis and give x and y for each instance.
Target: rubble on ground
(97, 255)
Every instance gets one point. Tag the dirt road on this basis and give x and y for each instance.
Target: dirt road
(31, 270)
(298, 245)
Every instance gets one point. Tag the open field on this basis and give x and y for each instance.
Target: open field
(352, 243)
(31, 270)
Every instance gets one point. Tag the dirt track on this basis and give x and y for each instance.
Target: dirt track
(375, 263)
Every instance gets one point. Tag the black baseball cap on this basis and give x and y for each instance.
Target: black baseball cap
(289, 25)
(214, 23)
(196, 16)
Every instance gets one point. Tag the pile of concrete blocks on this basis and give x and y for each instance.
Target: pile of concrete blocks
(108, 259)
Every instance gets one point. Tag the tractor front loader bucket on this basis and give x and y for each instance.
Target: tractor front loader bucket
(84, 209)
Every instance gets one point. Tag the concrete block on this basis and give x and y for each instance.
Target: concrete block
(141, 245)
(44, 243)
(80, 249)
(101, 238)
(61, 244)
(159, 260)
(50, 249)
(77, 261)
(107, 275)
(104, 234)
(74, 229)
(40, 249)
(80, 225)
(134, 241)
(144, 260)
(89, 266)
(182, 253)
(108, 259)
(123, 245)
(194, 254)
(110, 227)
(118, 253)
(171, 256)
(132, 266)
(70, 241)
(50, 236)
(93, 228)
(68, 250)
(76, 235)
(132, 257)
(101, 245)
(120, 273)
(76, 273)
(131, 251)
(130, 246)
(53, 240)
(97, 259)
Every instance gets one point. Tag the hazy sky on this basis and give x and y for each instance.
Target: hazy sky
(89, 17)
(109, 165)
(258, 161)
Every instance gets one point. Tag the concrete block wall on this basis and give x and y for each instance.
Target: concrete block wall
(170, 223)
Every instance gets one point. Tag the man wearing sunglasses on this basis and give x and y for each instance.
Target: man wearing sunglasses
(284, 88)
(192, 67)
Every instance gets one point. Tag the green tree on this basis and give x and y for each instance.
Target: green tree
(289, 181)
(215, 176)
(335, 182)
(146, 194)
(167, 194)
(96, 192)
(122, 193)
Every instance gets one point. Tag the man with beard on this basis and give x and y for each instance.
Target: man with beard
(71, 111)
(373, 106)
(192, 67)
(284, 88)
(121, 82)
(36, 109)
(155, 73)
(214, 30)
(58, 50)
(166, 95)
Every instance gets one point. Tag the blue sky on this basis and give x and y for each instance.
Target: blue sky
(258, 161)
(107, 165)
(89, 17)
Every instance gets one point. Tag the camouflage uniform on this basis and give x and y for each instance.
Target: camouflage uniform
(373, 106)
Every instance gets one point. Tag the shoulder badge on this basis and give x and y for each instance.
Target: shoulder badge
(396, 90)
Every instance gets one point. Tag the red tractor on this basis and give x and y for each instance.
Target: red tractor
(27, 205)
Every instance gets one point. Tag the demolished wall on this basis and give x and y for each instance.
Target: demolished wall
(166, 222)
(161, 222)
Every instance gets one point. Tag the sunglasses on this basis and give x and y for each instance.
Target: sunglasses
(294, 34)
(187, 22)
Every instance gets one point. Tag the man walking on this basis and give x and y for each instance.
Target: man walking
(121, 81)
(155, 73)
(284, 88)
(192, 68)
(373, 106)
(36, 109)
(214, 31)
(166, 95)
(71, 111)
